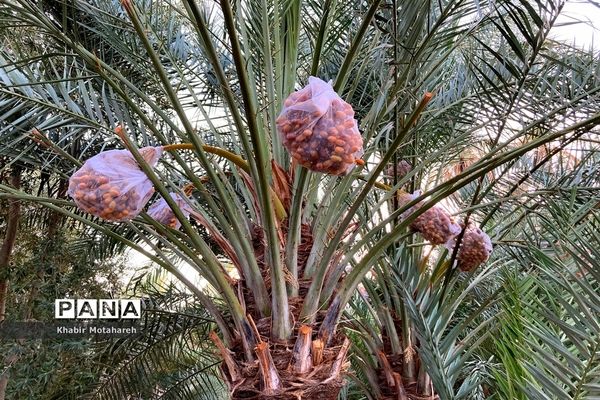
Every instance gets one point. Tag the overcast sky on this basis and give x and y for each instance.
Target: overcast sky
(583, 34)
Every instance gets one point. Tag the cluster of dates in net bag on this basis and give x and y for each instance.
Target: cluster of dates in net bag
(112, 186)
(318, 128)
(437, 226)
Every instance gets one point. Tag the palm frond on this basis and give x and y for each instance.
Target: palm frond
(170, 358)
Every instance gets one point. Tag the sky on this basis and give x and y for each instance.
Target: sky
(584, 34)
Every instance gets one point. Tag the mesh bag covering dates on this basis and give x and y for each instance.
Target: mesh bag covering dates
(475, 248)
(435, 224)
(318, 128)
(161, 211)
(438, 227)
(111, 184)
(402, 168)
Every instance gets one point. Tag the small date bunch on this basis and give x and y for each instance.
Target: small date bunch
(161, 211)
(436, 225)
(475, 248)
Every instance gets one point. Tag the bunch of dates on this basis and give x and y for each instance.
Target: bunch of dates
(318, 128)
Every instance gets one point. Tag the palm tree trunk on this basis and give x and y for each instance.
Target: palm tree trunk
(54, 222)
(276, 375)
(5, 252)
(303, 367)
(308, 369)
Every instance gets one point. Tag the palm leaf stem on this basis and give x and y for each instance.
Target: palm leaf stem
(355, 276)
(293, 235)
(280, 312)
(318, 49)
(291, 18)
(342, 76)
(269, 74)
(311, 303)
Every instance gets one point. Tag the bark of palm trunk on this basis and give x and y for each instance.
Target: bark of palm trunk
(10, 236)
(285, 373)
(305, 366)
(54, 222)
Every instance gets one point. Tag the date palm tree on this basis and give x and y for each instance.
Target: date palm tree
(464, 91)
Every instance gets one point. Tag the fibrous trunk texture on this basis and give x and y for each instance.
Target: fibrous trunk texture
(303, 367)
(395, 386)
(274, 375)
